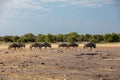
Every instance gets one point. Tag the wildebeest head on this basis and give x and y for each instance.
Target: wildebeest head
(94, 45)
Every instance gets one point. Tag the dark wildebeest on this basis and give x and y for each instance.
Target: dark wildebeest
(36, 45)
(46, 45)
(21, 45)
(15, 46)
(68, 45)
(90, 45)
(73, 45)
(63, 45)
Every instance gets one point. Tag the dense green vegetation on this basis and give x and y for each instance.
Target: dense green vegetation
(70, 37)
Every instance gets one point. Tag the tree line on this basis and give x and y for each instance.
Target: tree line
(70, 37)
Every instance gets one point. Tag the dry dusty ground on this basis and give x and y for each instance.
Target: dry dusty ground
(103, 63)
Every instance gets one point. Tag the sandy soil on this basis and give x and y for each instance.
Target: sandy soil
(103, 63)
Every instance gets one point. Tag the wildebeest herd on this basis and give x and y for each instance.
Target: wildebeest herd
(48, 45)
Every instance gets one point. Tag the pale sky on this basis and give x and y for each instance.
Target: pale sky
(18, 17)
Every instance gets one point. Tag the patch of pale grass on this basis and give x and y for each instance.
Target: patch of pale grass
(109, 45)
(115, 59)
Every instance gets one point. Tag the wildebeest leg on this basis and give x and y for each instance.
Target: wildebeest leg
(90, 48)
(9, 48)
(40, 48)
(75, 48)
(84, 48)
(61, 48)
(15, 48)
(45, 48)
(68, 47)
(31, 48)
(72, 48)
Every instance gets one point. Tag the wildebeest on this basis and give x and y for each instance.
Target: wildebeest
(45, 44)
(36, 45)
(15, 46)
(62, 45)
(68, 45)
(90, 45)
(72, 45)
(21, 45)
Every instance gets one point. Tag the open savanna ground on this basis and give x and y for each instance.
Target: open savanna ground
(103, 63)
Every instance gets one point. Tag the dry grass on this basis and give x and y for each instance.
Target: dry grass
(60, 64)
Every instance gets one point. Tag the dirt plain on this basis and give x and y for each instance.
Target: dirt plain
(103, 63)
